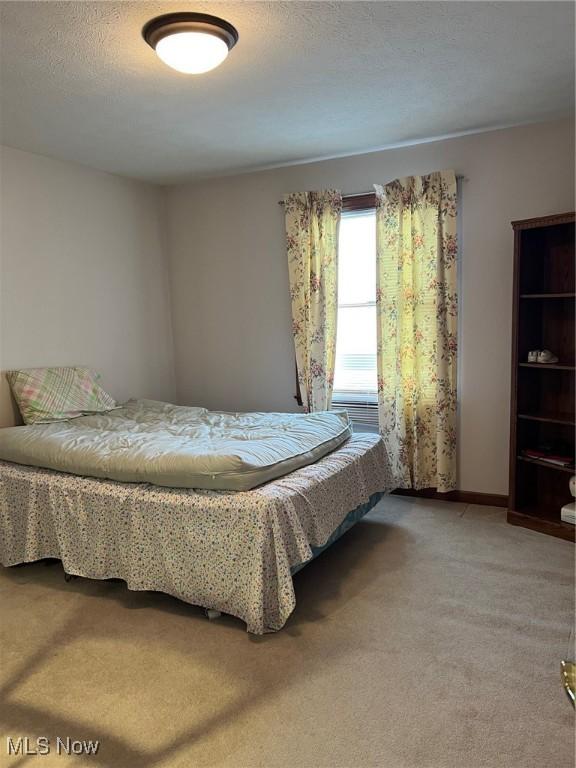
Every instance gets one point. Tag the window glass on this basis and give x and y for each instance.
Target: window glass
(357, 258)
(356, 340)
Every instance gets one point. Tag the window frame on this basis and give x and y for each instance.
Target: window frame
(367, 412)
(365, 201)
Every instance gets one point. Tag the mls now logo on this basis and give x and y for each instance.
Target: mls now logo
(43, 746)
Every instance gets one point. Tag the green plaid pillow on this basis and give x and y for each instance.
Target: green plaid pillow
(55, 394)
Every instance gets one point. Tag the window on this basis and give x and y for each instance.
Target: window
(355, 379)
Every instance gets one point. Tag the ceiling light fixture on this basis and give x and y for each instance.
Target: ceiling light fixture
(190, 42)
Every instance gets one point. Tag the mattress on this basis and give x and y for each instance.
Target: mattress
(178, 447)
(233, 552)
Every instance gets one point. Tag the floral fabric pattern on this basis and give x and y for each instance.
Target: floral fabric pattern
(232, 551)
(312, 224)
(417, 316)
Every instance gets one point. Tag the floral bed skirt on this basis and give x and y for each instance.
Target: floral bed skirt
(233, 552)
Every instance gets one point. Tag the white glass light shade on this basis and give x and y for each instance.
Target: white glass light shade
(192, 52)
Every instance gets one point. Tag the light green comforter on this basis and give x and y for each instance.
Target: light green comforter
(146, 441)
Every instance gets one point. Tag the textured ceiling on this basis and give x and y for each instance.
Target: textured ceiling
(306, 80)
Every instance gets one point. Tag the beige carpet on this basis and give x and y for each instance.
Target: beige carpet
(430, 636)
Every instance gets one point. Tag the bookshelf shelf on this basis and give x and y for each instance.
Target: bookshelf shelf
(547, 464)
(547, 295)
(549, 366)
(533, 519)
(542, 405)
(552, 418)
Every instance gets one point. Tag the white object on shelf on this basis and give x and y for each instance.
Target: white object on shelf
(547, 357)
(568, 513)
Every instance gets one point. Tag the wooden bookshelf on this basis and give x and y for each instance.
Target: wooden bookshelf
(542, 413)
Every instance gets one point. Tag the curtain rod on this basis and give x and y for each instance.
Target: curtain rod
(459, 177)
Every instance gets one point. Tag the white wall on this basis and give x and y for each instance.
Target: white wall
(83, 275)
(231, 312)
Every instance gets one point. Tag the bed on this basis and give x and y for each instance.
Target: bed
(232, 551)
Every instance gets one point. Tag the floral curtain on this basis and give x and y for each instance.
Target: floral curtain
(417, 316)
(312, 223)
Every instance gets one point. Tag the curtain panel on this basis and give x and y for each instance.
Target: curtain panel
(312, 224)
(417, 318)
